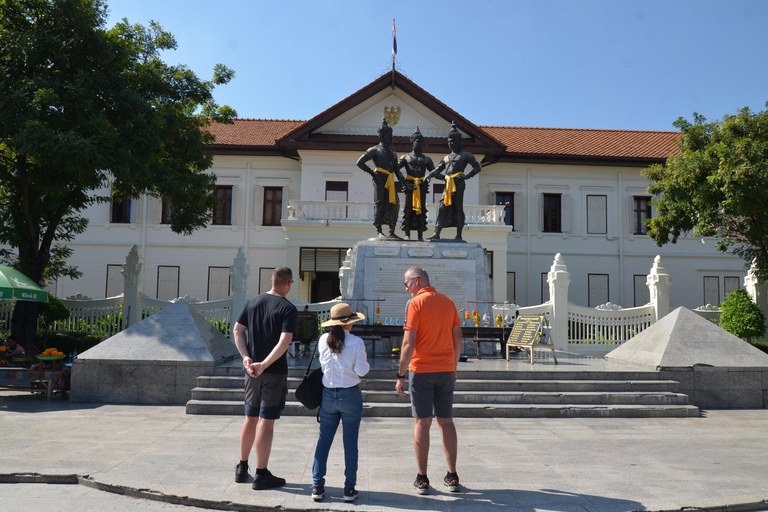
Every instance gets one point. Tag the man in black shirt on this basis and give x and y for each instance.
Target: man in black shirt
(263, 332)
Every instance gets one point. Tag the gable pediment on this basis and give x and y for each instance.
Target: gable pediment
(353, 123)
(403, 112)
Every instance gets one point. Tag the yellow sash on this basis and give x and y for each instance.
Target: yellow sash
(416, 201)
(389, 185)
(450, 189)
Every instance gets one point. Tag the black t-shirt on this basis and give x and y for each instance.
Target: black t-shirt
(266, 317)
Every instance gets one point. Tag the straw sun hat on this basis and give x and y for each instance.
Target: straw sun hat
(342, 314)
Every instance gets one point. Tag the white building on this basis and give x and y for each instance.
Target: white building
(291, 194)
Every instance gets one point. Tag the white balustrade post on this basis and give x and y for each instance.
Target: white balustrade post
(344, 274)
(659, 283)
(757, 290)
(559, 280)
(133, 282)
(239, 272)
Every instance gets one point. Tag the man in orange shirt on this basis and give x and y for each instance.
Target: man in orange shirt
(431, 348)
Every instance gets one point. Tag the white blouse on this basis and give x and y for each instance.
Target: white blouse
(343, 370)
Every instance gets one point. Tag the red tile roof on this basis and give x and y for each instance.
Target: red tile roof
(252, 132)
(565, 142)
(520, 142)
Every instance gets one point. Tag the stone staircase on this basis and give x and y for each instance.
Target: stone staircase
(484, 394)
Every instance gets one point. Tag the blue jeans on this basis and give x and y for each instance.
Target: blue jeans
(345, 405)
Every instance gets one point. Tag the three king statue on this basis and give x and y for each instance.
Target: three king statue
(419, 170)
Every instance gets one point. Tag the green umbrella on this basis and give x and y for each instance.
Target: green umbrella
(14, 284)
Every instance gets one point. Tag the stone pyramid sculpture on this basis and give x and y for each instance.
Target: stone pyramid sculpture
(683, 339)
(154, 361)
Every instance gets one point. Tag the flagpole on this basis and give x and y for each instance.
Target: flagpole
(394, 52)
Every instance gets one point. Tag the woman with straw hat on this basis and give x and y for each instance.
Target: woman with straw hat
(343, 360)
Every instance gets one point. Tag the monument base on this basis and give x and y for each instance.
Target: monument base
(372, 276)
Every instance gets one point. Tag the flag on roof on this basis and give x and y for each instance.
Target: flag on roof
(394, 40)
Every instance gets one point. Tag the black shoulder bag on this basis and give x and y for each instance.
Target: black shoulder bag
(310, 391)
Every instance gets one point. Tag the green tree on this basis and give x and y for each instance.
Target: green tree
(716, 186)
(741, 316)
(82, 107)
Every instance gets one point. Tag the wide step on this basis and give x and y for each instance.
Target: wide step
(487, 394)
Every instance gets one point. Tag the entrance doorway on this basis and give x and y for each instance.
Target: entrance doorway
(325, 286)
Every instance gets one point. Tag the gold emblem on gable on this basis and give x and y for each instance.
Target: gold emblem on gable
(392, 114)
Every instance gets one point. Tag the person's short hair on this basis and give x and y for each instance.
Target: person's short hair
(417, 271)
(281, 276)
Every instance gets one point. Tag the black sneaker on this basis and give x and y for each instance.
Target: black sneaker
(241, 472)
(421, 484)
(318, 492)
(350, 494)
(451, 481)
(266, 480)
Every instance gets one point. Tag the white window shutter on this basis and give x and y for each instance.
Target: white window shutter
(565, 210)
(234, 205)
(540, 209)
(133, 205)
(519, 224)
(156, 207)
(258, 205)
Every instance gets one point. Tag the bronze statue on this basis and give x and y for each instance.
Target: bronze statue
(386, 202)
(417, 165)
(451, 212)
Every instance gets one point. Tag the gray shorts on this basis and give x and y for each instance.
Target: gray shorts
(432, 394)
(265, 395)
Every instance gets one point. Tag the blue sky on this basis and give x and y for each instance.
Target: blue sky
(631, 64)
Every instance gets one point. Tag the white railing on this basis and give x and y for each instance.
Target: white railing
(101, 317)
(6, 312)
(218, 313)
(605, 327)
(360, 211)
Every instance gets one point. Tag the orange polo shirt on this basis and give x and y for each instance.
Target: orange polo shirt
(433, 316)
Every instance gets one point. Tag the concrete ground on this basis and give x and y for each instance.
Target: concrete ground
(60, 456)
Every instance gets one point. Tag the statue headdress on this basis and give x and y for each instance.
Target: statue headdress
(416, 135)
(454, 133)
(384, 126)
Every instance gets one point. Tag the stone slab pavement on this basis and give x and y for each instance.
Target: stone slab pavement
(60, 456)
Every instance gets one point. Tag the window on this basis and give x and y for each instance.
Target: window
(321, 260)
(114, 281)
(642, 213)
(511, 287)
(222, 208)
(218, 283)
(508, 200)
(730, 284)
(552, 213)
(167, 282)
(437, 191)
(167, 212)
(265, 280)
(121, 209)
(711, 290)
(273, 206)
(597, 214)
(642, 292)
(337, 191)
(597, 285)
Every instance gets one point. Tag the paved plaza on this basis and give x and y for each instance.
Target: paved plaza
(151, 458)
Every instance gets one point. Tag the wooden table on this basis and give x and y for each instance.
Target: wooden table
(11, 373)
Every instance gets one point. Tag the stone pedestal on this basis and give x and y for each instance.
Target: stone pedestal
(375, 276)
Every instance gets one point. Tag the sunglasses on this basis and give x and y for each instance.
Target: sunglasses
(408, 281)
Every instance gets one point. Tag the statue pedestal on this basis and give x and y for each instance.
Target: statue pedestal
(373, 276)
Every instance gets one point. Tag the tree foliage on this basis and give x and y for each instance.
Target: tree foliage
(741, 316)
(716, 186)
(83, 107)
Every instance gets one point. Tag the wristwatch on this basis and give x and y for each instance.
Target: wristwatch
(400, 376)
